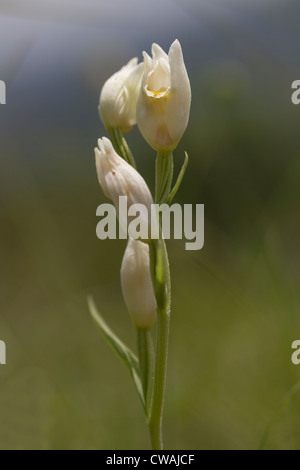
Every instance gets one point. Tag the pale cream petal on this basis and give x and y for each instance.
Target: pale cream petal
(158, 53)
(137, 285)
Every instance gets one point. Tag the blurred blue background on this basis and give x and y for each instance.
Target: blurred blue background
(236, 302)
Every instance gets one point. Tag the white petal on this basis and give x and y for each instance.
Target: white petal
(158, 53)
(163, 104)
(118, 96)
(147, 69)
(179, 76)
(118, 178)
(108, 146)
(101, 146)
(132, 63)
(100, 172)
(137, 285)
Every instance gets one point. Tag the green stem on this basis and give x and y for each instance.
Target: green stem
(157, 267)
(164, 176)
(160, 272)
(162, 344)
(155, 421)
(120, 145)
(167, 274)
(146, 359)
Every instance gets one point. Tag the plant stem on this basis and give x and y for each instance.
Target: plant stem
(160, 272)
(120, 145)
(146, 359)
(162, 343)
(155, 422)
(163, 176)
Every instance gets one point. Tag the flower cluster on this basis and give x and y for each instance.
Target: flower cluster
(155, 95)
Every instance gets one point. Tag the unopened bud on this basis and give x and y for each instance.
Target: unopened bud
(137, 285)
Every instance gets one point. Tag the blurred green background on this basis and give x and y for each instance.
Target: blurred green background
(235, 303)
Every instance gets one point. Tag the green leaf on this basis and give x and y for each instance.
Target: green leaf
(179, 179)
(126, 355)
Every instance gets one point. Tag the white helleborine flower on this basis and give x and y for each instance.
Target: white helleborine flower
(137, 285)
(118, 97)
(117, 178)
(164, 100)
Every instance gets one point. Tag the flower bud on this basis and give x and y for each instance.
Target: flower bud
(163, 104)
(137, 285)
(117, 178)
(118, 97)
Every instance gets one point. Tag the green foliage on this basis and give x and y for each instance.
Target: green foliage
(125, 354)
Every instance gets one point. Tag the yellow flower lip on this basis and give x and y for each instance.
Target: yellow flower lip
(157, 94)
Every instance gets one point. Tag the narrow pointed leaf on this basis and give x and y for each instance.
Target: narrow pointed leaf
(179, 179)
(125, 354)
